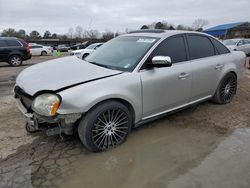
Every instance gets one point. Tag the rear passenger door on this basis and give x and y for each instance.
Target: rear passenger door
(3, 50)
(207, 65)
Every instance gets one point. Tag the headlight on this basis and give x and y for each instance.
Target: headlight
(46, 104)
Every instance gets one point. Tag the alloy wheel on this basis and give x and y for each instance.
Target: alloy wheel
(110, 128)
(228, 89)
(16, 61)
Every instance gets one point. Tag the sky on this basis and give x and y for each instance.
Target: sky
(116, 15)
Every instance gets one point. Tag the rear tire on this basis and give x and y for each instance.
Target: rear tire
(226, 89)
(105, 126)
(15, 60)
(44, 53)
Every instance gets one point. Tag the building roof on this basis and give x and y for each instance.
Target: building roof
(220, 30)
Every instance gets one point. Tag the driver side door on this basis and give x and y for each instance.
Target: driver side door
(167, 88)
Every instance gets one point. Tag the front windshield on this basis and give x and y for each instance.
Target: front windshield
(231, 42)
(122, 53)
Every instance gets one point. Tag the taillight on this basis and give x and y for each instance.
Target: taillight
(27, 47)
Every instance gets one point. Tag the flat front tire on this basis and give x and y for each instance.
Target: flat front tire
(105, 126)
(226, 89)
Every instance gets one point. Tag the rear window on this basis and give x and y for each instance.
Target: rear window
(13, 43)
(220, 47)
(200, 47)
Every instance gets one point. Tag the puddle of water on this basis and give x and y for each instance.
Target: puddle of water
(151, 157)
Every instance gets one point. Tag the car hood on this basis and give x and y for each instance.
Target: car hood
(60, 73)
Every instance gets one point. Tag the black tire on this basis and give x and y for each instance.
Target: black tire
(30, 129)
(43, 53)
(84, 56)
(105, 126)
(226, 89)
(15, 60)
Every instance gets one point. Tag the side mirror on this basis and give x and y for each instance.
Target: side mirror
(160, 61)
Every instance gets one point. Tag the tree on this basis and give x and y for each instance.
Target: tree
(34, 35)
(54, 36)
(71, 33)
(92, 34)
(163, 25)
(78, 32)
(108, 35)
(160, 25)
(10, 32)
(64, 37)
(185, 28)
(144, 27)
(198, 24)
(47, 35)
(21, 34)
(171, 27)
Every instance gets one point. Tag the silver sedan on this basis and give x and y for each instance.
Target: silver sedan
(130, 80)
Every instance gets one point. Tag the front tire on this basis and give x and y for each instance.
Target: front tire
(226, 90)
(84, 56)
(105, 126)
(15, 60)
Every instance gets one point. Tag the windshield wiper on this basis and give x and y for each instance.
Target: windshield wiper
(101, 65)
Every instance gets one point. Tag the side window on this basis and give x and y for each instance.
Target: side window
(172, 47)
(2, 43)
(246, 42)
(13, 43)
(200, 46)
(39, 47)
(220, 47)
(240, 43)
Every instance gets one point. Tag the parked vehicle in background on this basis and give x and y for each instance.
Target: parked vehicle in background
(37, 49)
(14, 51)
(238, 45)
(85, 52)
(80, 46)
(130, 80)
(62, 48)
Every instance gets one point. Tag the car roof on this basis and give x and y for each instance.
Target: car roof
(158, 33)
(9, 38)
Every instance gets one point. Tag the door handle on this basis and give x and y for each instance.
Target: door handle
(183, 76)
(219, 66)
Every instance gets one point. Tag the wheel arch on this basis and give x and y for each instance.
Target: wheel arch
(122, 101)
(15, 53)
(223, 75)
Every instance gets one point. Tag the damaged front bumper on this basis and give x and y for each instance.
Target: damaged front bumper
(52, 125)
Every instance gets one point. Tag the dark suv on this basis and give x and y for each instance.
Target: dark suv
(14, 51)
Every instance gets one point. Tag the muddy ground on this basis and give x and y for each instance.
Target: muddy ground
(192, 148)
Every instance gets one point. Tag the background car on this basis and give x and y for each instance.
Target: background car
(14, 51)
(238, 45)
(85, 52)
(62, 48)
(80, 46)
(37, 49)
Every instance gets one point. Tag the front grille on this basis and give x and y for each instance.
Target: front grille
(25, 98)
